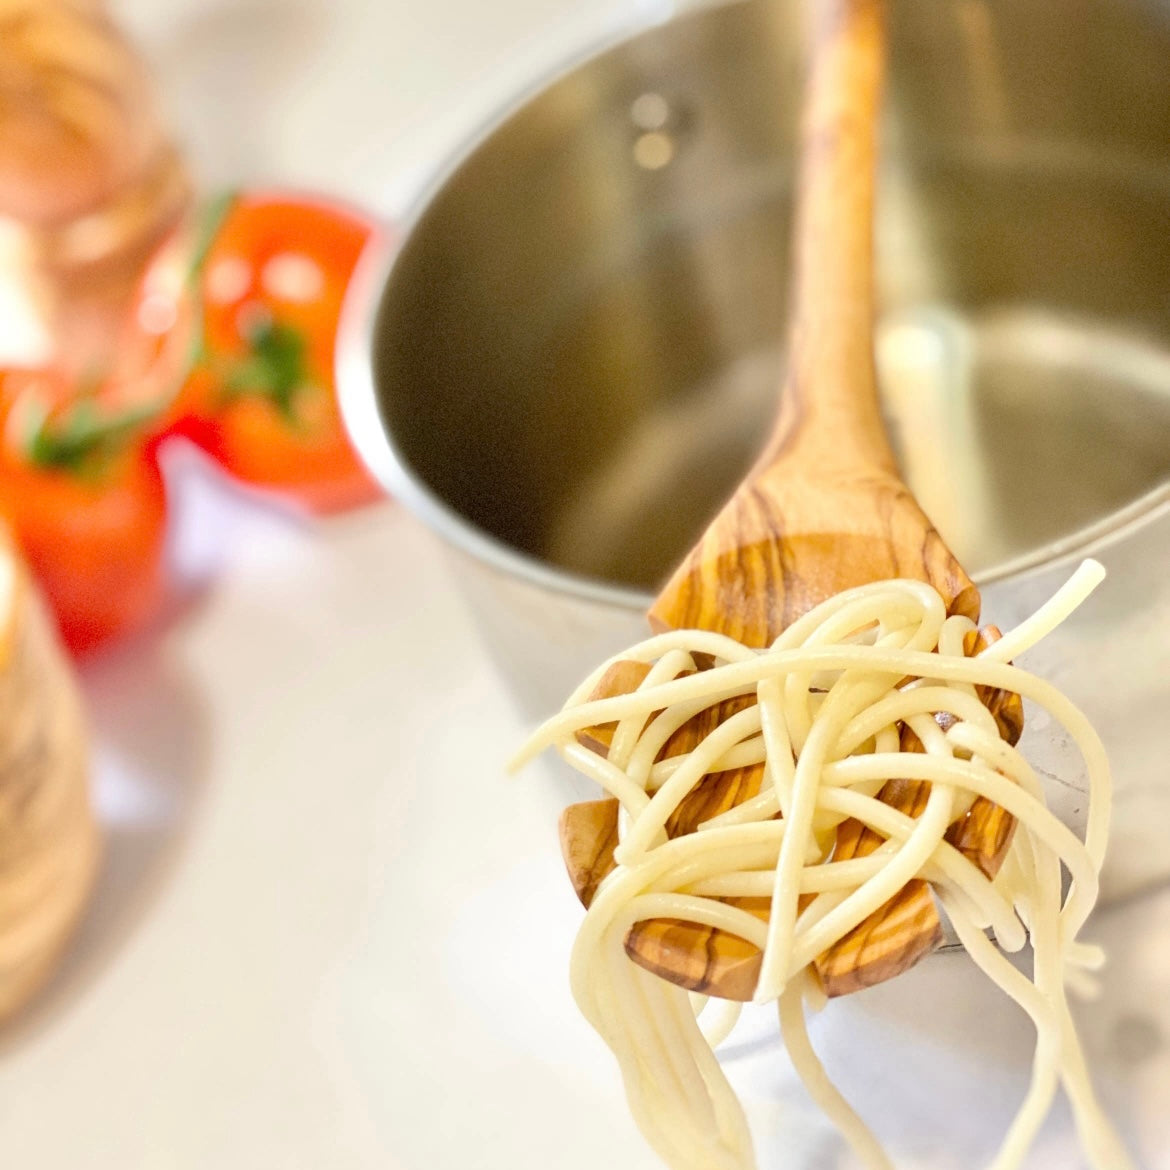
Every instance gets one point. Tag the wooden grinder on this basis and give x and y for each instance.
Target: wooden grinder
(49, 842)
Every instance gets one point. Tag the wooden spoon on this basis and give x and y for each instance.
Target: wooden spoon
(823, 510)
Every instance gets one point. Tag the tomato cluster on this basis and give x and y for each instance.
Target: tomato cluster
(229, 344)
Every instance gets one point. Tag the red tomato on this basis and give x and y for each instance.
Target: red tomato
(86, 502)
(270, 278)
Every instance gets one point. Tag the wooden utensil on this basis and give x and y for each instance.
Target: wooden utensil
(823, 510)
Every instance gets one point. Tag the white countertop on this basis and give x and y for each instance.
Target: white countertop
(328, 935)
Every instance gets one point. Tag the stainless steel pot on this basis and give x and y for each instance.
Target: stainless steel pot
(571, 361)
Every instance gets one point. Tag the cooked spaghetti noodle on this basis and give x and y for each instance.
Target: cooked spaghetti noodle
(832, 695)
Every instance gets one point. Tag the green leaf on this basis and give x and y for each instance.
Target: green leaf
(85, 439)
(275, 367)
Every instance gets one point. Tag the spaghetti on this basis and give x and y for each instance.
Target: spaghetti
(832, 696)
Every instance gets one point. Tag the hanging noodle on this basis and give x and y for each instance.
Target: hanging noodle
(832, 694)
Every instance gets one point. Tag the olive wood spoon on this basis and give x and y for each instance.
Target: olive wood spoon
(823, 510)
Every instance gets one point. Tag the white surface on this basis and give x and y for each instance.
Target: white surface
(328, 934)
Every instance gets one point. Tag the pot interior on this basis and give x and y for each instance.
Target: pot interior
(580, 342)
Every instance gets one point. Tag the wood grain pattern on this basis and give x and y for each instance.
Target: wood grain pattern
(717, 792)
(984, 835)
(898, 933)
(589, 835)
(715, 963)
(49, 842)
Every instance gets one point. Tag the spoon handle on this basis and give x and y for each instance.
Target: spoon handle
(829, 413)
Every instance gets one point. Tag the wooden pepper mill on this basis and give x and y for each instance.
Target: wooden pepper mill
(49, 840)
